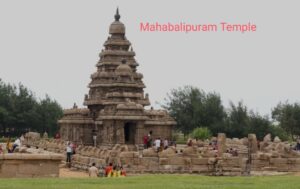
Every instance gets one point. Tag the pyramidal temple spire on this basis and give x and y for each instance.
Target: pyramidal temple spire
(117, 15)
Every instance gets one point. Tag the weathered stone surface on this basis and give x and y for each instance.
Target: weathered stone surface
(253, 143)
(221, 143)
(150, 152)
(199, 161)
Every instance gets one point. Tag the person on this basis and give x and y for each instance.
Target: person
(149, 143)
(166, 143)
(93, 171)
(190, 143)
(114, 171)
(101, 171)
(73, 146)
(157, 144)
(123, 172)
(22, 139)
(9, 145)
(298, 145)
(69, 154)
(108, 170)
(57, 136)
(16, 144)
(145, 140)
(118, 171)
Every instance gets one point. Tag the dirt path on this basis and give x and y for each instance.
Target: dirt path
(68, 173)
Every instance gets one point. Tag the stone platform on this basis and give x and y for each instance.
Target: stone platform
(30, 163)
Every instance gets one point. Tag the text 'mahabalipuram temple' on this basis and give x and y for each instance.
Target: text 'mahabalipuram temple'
(115, 111)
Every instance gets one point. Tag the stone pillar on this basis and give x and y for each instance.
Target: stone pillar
(252, 142)
(221, 143)
(139, 133)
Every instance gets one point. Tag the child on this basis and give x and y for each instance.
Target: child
(123, 172)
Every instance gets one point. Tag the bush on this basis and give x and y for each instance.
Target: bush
(201, 133)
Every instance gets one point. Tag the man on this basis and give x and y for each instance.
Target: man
(166, 143)
(145, 140)
(69, 153)
(17, 143)
(149, 142)
(157, 144)
(93, 171)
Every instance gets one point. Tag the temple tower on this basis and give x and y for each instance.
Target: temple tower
(116, 99)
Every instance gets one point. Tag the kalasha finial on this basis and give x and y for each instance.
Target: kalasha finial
(117, 16)
(123, 61)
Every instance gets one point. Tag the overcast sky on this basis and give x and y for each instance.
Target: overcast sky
(52, 47)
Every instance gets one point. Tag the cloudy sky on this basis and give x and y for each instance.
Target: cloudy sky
(52, 47)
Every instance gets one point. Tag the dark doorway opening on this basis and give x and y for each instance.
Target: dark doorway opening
(129, 132)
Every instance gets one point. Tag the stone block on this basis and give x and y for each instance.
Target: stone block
(127, 154)
(199, 161)
(164, 161)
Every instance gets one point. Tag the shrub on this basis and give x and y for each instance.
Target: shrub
(201, 133)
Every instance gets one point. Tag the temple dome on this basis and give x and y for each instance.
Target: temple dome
(117, 27)
(123, 69)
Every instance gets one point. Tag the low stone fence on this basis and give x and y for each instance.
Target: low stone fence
(200, 158)
(17, 165)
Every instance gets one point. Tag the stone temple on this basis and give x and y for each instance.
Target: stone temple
(115, 112)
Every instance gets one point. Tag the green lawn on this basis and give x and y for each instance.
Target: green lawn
(156, 182)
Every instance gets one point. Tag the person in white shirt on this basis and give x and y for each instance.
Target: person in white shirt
(69, 153)
(157, 144)
(17, 143)
(166, 143)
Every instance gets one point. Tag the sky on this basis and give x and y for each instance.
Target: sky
(52, 47)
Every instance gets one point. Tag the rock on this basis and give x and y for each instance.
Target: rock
(253, 143)
(168, 152)
(150, 152)
(277, 139)
(267, 138)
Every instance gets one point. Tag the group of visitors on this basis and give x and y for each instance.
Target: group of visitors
(158, 143)
(232, 151)
(108, 171)
(11, 146)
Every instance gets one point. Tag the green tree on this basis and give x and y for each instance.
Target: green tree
(192, 107)
(288, 116)
(237, 122)
(260, 125)
(201, 133)
(20, 111)
(49, 111)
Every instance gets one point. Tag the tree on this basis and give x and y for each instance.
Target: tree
(192, 107)
(288, 116)
(237, 121)
(201, 133)
(20, 111)
(260, 125)
(49, 111)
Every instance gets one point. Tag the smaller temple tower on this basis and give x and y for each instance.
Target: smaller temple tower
(115, 111)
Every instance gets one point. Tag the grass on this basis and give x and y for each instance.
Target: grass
(156, 182)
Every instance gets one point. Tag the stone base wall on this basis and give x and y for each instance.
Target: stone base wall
(29, 165)
(200, 158)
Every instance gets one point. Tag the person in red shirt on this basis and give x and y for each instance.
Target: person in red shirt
(123, 172)
(145, 141)
(108, 170)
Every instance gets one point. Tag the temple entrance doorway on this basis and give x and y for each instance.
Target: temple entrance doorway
(129, 132)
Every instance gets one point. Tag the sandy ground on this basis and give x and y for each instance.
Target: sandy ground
(69, 173)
